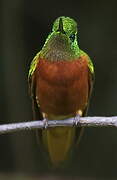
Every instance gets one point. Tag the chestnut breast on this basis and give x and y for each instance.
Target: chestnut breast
(62, 87)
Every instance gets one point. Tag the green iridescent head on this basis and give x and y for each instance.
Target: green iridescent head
(68, 24)
(61, 43)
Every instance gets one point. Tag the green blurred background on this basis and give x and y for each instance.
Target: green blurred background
(24, 26)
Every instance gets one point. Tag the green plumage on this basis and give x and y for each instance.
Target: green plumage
(61, 49)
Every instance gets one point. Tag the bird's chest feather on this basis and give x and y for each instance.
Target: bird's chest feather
(62, 87)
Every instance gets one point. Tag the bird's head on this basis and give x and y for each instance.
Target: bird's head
(61, 44)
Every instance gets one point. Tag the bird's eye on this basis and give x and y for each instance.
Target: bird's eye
(72, 37)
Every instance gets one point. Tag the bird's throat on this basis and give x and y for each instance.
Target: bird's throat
(58, 48)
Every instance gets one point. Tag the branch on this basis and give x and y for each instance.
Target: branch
(83, 122)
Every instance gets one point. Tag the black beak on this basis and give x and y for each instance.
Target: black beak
(60, 29)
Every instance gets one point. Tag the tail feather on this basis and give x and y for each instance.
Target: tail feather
(58, 142)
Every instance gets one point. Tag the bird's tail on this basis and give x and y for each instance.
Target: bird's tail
(58, 142)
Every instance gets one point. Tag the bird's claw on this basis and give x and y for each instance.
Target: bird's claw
(45, 121)
(76, 120)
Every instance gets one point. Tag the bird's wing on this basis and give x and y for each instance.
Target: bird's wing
(31, 72)
(32, 88)
(91, 77)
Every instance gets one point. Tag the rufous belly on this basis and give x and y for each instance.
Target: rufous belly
(62, 87)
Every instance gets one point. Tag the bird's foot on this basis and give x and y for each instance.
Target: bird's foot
(79, 114)
(45, 121)
(76, 120)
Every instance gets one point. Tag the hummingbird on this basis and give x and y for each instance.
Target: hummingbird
(60, 79)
